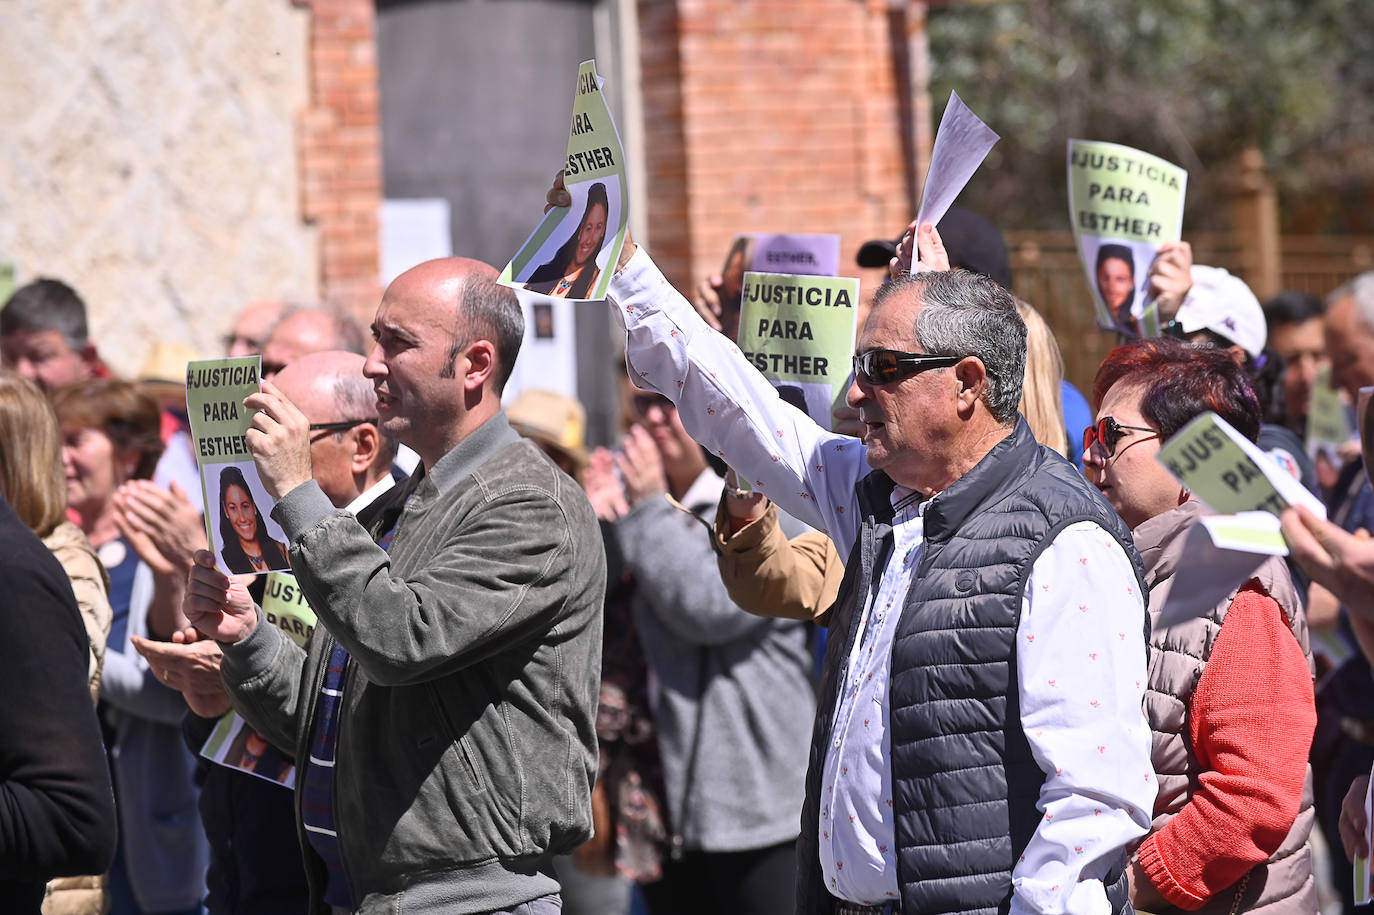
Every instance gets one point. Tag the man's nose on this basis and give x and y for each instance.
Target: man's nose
(373, 366)
(855, 396)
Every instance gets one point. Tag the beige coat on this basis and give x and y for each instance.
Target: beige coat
(769, 575)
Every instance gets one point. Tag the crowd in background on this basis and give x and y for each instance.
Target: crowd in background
(1253, 712)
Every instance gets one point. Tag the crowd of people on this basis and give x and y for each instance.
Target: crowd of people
(914, 662)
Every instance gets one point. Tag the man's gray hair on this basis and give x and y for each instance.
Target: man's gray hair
(966, 314)
(1361, 289)
(355, 398)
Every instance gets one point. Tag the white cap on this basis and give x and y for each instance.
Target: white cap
(1223, 304)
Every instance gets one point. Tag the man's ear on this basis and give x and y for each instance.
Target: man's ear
(972, 378)
(481, 363)
(368, 441)
(90, 357)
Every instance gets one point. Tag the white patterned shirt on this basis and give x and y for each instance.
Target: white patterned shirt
(1081, 657)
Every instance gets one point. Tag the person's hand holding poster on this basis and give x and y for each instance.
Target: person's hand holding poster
(799, 332)
(573, 252)
(962, 142)
(1124, 204)
(243, 538)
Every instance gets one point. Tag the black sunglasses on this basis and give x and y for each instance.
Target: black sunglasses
(342, 425)
(884, 366)
(1109, 432)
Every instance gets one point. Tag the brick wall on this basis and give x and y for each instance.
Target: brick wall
(340, 151)
(771, 115)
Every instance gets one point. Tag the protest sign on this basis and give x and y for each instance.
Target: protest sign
(1228, 472)
(1328, 421)
(961, 144)
(574, 250)
(809, 255)
(799, 332)
(1124, 204)
(1220, 553)
(243, 538)
(284, 606)
(6, 280)
(234, 743)
(814, 255)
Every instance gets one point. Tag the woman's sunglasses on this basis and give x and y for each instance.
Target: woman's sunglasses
(1109, 432)
(884, 366)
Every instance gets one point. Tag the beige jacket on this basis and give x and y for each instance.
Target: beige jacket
(91, 584)
(769, 575)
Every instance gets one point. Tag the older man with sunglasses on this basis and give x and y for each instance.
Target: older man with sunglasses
(979, 742)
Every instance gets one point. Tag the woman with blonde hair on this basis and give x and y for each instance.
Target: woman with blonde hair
(1041, 404)
(33, 482)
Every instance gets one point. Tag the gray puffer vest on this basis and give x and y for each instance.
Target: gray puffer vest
(963, 776)
(1179, 652)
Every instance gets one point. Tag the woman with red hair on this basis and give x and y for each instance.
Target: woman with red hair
(1229, 697)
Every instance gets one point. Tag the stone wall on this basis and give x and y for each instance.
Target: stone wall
(149, 157)
(770, 116)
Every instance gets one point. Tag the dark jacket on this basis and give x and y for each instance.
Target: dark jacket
(963, 775)
(57, 815)
(466, 743)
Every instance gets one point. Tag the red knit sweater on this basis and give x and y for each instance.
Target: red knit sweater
(1253, 715)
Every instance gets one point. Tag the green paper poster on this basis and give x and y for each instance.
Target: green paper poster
(6, 281)
(1230, 473)
(1328, 425)
(1124, 204)
(573, 252)
(242, 535)
(234, 744)
(284, 606)
(799, 332)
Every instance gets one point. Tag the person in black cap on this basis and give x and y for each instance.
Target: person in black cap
(970, 240)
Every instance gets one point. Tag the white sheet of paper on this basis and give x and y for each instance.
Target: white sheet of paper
(1220, 553)
(961, 144)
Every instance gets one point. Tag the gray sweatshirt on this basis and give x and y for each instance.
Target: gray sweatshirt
(749, 679)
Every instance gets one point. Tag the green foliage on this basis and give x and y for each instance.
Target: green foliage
(1193, 81)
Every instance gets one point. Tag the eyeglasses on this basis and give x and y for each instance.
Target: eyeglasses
(884, 366)
(342, 425)
(646, 401)
(1109, 432)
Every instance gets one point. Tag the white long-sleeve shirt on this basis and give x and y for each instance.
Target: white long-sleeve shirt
(1080, 667)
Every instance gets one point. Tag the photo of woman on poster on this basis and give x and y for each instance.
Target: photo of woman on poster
(245, 544)
(1116, 281)
(573, 271)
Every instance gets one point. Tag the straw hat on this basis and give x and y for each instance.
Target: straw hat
(552, 419)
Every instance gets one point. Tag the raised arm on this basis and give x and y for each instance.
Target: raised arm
(731, 409)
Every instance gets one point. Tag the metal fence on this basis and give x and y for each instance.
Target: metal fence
(1048, 274)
